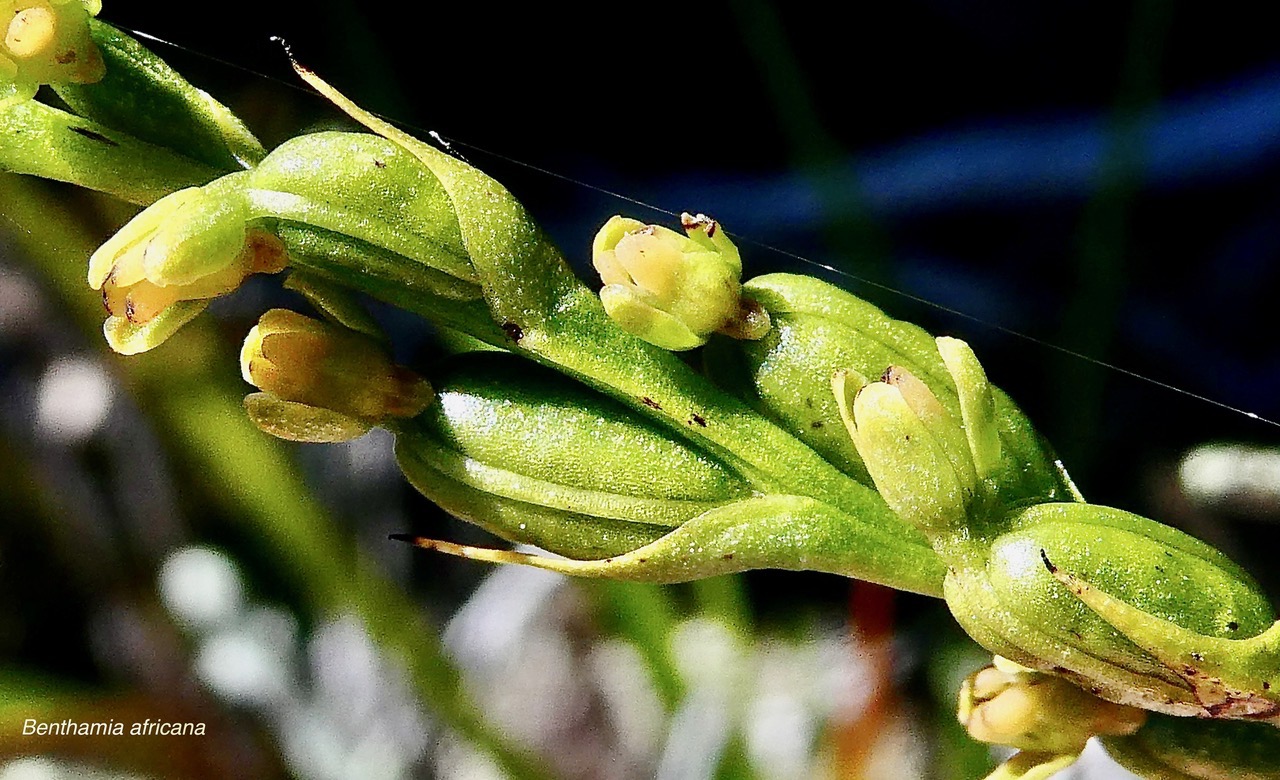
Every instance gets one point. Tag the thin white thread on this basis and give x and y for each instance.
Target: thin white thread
(448, 145)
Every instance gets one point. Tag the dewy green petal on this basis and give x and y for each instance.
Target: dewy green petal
(202, 237)
(136, 231)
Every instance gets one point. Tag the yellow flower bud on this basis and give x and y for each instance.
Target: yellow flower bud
(1039, 712)
(674, 291)
(323, 382)
(46, 42)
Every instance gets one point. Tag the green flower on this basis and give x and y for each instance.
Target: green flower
(674, 291)
(45, 42)
(160, 269)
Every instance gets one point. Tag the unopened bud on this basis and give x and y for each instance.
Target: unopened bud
(1039, 712)
(325, 381)
(914, 450)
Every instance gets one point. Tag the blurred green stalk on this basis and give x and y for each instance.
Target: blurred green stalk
(198, 409)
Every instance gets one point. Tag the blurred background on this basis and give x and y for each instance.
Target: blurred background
(1093, 178)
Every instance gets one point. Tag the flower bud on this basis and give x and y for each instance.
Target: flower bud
(919, 455)
(909, 447)
(1131, 610)
(820, 329)
(45, 42)
(1038, 712)
(674, 291)
(191, 245)
(323, 382)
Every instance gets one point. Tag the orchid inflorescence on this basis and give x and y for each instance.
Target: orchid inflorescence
(823, 434)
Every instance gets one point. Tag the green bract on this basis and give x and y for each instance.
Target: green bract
(544, 460)
(142, 96)
(1132, 610)
(368, 188)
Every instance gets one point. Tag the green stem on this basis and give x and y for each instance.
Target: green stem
(644, 615)
(253, 478)
(43, 141)
(1102, 243)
